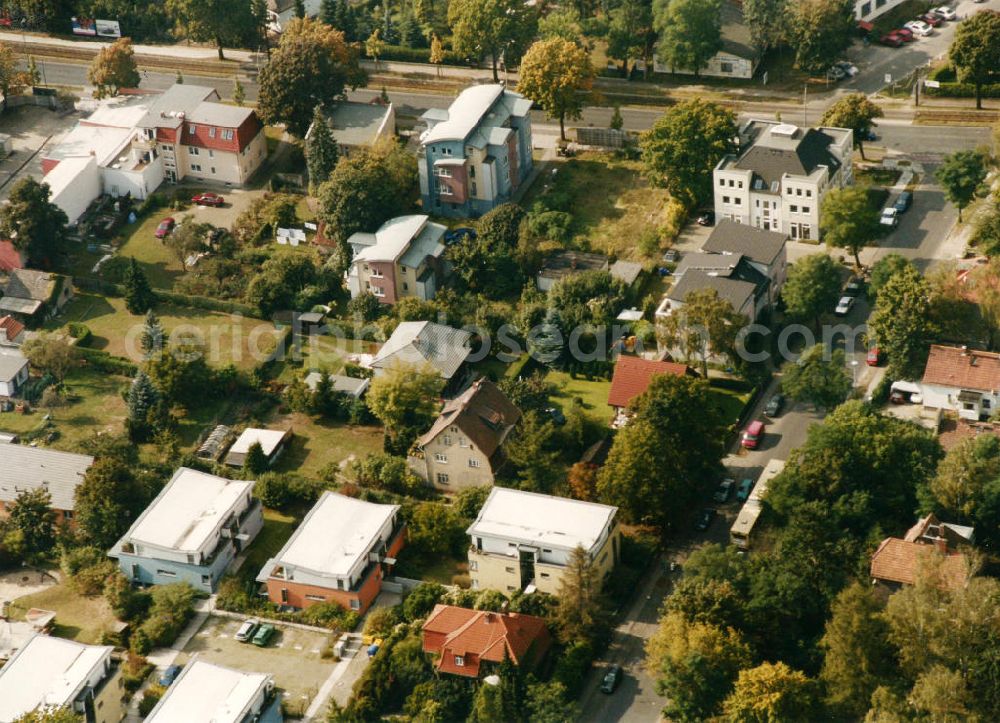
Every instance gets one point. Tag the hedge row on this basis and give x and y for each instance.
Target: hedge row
(107, 363)
(106, 288)
(963, 90)
(419, 55)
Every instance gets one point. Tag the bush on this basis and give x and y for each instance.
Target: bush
(80, 332)
(103, 362)
(330, 615)
(87, 569)
(172, 607)
(551, 225)
(150, 697)
(963, 90)
(572, 666)
(135, 670)
(381, 621)
(279, 491)
(421, 600)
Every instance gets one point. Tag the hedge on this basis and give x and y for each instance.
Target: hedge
(963, 90)
(418, 55)
(106, 288)
(107, 363)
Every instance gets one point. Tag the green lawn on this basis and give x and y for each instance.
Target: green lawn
(278, 527)
(593, 394)
(79, 618)
(323, 353)
(161, 266)
(430, 568)
(319, 442)
(731, 402)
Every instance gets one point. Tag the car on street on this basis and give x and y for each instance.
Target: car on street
(743, 492)
(931, 19)
(869, 136)
(247, 630)
(774, 405)
(612, 678)
(945, 13)
(725, 490)
(890, 217)
(706, 218)
(919, 27)
(705, 518)
(165, 227)
(893, 39)
(835, 72)
(208, 199)
(904, 201)
(844, 306)
(849, 68)
(671, 256)
(874, 357)
(263, 635)
(855, 287)
(170, 675)
(752, 435)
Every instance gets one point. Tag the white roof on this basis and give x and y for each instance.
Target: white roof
(120, 112)
(424, 342)
(69, 172)
(104, 143)
(32, 467)
(269, 440)
(208, 693)
(188, 510)
(46, 672)
(465, 113)
(536, 519)
(12, 362)
(337, 532)
(391, 239)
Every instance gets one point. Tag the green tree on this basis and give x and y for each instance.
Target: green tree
(239, 92)
(139, 295)
(818, 377)
(962, 174)
(966, 469)
(557, 75)
(975, 49)
(670, 450)
(108, 501)
(533, 453)
(312, 66)
(216, 21)
(582, 612)
(771, 692)
(255, 463)
(33, 518)
(820, 30)
(900, 324)
(50, 715)
(50, 354)
(883, 270)
(617, 122)
(767, 21)
(113, 69)
(987, 517)
(375, 46)
(181, 375)
(491, 28)
(683, 147)
(437, 55)
(854, 111)
(706, 324)
(435, 530)
(986, 233)
(550, 703)
(321, 150)
(144, 409)
(690, 32)
(153, 337)
(405, 399)
(562, 23)
(186, 240)
(630, 32)
(12, 80)
(812, 288)
(35, 225)
(848, 220)
(289, 281)
(488, 263)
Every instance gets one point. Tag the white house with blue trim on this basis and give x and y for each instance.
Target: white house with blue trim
(191, 532)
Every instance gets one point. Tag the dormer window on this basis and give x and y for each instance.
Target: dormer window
(459, 661)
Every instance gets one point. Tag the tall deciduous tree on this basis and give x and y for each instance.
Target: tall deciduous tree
(705, 325)
(900, 323)
(818, 377)
(107, 502)
(12, 79)
(767, 21)
(113, 69)
(32, 516)
(321, 150)
(690, 32)
(684, 146)
(491, 28)
(533, 455)
(975, 50)
(883, 270)
(312, 65)
(771, 692)
(966, 469)
(35, 225)
(630, 32)
(962, 174)
(820, 30)
(849, 221)
(139, 296)
(856, 112)
(405, 400)
(581, 614)
(50, 354)
(557, 74)
(812, 288)
(216, 21)
(437, 55)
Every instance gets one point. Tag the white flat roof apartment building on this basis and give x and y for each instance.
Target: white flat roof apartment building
(780, 175)
(526, 538)
(209, 693)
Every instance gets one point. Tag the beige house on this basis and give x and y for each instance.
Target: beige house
(464, 447)
(525, 539)
(403, 258)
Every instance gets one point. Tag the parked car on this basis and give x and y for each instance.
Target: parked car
(835, 72)
(165, 227)
(774, 405)
(263, 635)
(906, 34)
(208, 199)
(453, 236)
(931, 19)
(945, 13)
(555, 413)
(844, 306)
(743, 492)
(849, 68)
(706, 218)
(874, 357)
(898, 397)
(893, 39)
(919, 27)
(753, 434)
(671, 256)
(705, 518)
(890, 217)
(247, 630)
(855, 287)
(725, 489)
(170, 675)
(612, 678)
(904, 201)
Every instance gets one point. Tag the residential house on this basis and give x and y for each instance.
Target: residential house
(424, 342)
(930, 546)
(272, 442)
(58, 673)
(732, 277)
(191, 532)
(360, 125)
(351, 386)
(464, 446)
(738, 57)
(475, 155)
(403, 258)
(30, 468)
(868, 10)
(953, 432)
(11, 331)
(764, 250)
(966, 381)
(208, 693)
(340, 553)
(567, 263)
(32, 296)
(632, 377)
(10, 257)
(779, 177)
(525, 538)
(472, 643)
(13, 371)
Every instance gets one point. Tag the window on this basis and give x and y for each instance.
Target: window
(165, 147)
(968, 406)
(756, 202)
(866, 9)
(737, 201)
(355, 604)
(809, 193)
(191, 130)
(805, 209)
(462, 442)
(212, 170)
(446, 439)
(798, 191)
(722, 181)
(509, 570)
(194, 150)
(227, 135)
(544, 549)
(68, 514)
(726, 67)
(442, 458)
(211, 132)
(377, 272)
(316, 598)
(403, 269)
(406, 286)
(804, 231)
(472, 171)
(206, 579)
(474, 463)
(459, 661)
(442, 478)
(166, 573)
(445, 151)
(793, 209)
(211, 153)
(340, 583)
(544, 574)
(445, 190)
(732, 183)
(454, 429)
(510, 588)
(739, 184)
(190, 559)
(986, 403)
(474, 565)
(444, 172)
(377, 291)
(474, 192)
(725, 199)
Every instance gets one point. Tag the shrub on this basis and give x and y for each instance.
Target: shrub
(80, 332)
(150, 697)
(551, 225)
(172, 606)
(330, 615)
(135, 670)
(87, 569)
(572, 666)
(421, 600)
(381, 621)
(278, 491)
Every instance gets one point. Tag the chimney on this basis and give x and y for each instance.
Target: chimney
(488, 617)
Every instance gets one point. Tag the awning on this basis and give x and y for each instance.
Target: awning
(969, 396)
(908, 387)
(865, 26)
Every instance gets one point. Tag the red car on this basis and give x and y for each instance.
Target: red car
(208, 199)
(906, 34)
(892, 39)
(931, 19)
(753, 435)
(165, 227)
(874, 357)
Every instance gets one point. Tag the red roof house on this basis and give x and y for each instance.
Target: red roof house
(11, 331)
(464, 639)
(633, 375)
(10, 257)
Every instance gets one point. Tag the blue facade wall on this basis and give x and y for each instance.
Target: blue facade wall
(150, 571)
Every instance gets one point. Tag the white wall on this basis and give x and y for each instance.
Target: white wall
(74, 183)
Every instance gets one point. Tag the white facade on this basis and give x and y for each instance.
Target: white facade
(13, 372)
(868, 10)
(968, 404)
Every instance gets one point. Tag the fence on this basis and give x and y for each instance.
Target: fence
(602, 137)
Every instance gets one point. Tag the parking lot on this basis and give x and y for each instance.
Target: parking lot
(30, 128)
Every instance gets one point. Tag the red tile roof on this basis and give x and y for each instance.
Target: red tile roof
(633, 375)
(952, 432)
(10, 257)
(479, 635)
(952, 366)
(900, 561)
(12, 326)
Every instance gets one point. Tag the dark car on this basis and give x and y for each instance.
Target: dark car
(931, 19)
(611, 679)
(706, 218)
(904, 201)
(263, 635)
(774, 405)
(725, 490)
(208, 199)
(855, 287)
(555, 413)
(705, 519)
(165, 227)
(743, 491)
(454, 235)
(170, 675)
(869, 136)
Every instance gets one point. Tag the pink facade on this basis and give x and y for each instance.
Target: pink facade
(387, 283)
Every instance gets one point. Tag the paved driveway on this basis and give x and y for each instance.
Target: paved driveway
(30, 129)
(25, 581)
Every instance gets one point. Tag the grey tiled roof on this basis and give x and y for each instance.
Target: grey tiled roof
(416, 342)
(32, 467)
(729, 237)
(801, 158)
(735, 291)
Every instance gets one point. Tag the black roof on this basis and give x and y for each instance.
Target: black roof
(770, 163)
(729, 237)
